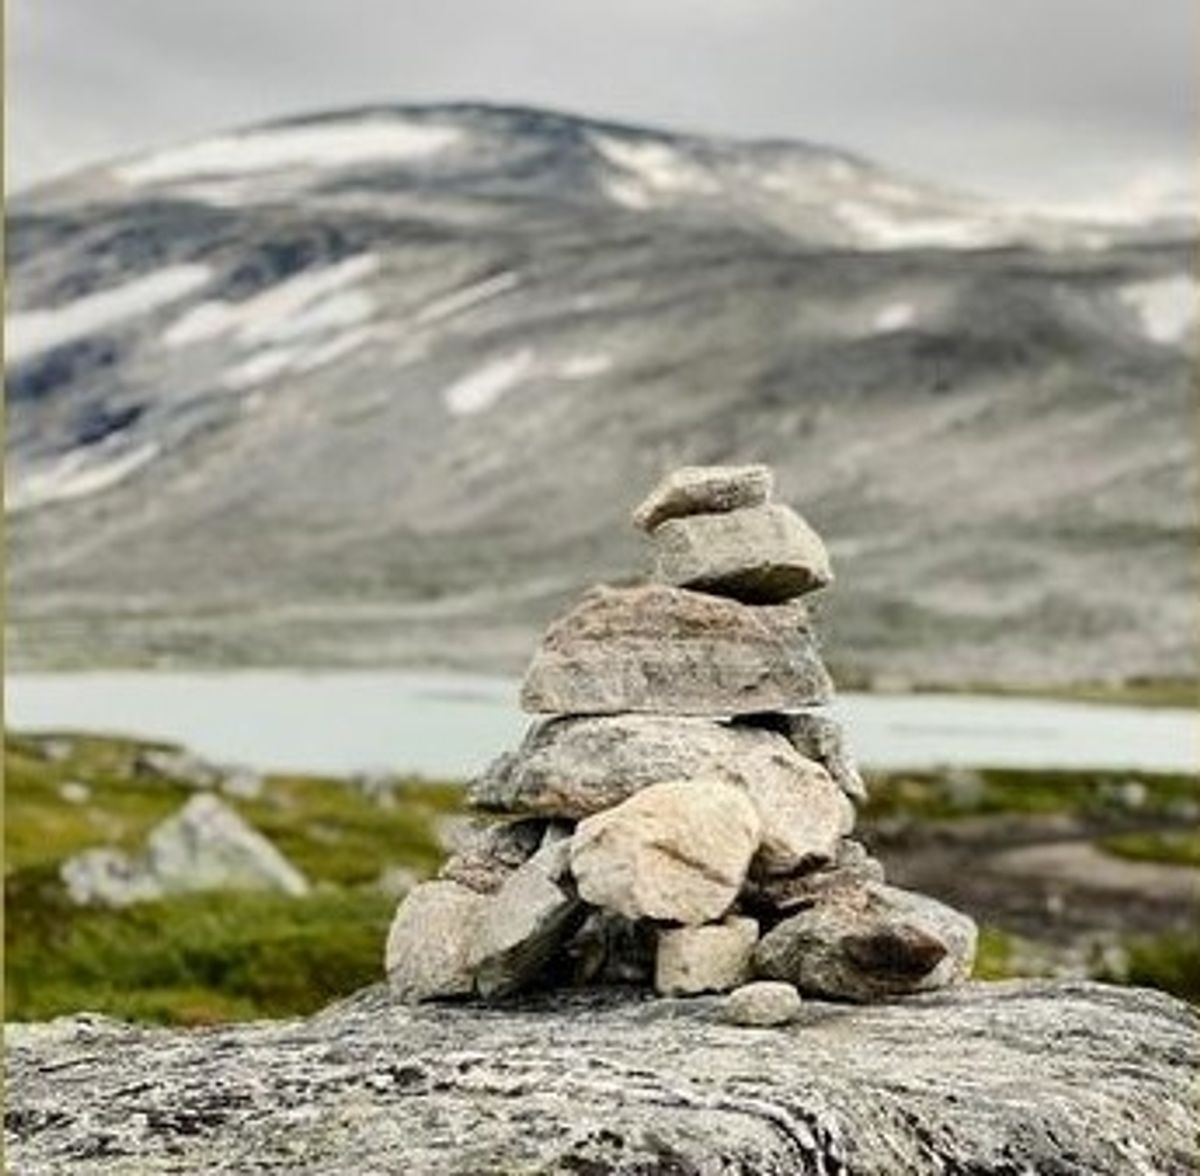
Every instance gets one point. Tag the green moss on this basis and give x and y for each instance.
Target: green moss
(1169, 962)
(1177, 847)
(994, 955)
(192, 959)
(990, 791)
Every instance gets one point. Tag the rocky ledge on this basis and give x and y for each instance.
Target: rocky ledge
(985, 1078)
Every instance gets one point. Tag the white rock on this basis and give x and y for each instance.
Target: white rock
(762, 1003)
(692, 490)
(711, 958)
(676, 851)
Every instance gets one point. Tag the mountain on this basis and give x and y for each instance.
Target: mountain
(379, 387)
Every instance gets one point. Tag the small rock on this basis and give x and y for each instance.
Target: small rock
(676, 851)
(821, 738)
(491, 854)
(852, 867)
(804, 816)
(671, 651)
(177, 765)
(869, 943)
(523, 925)
(692, 490)
(74, 792)
(761, 555)
(430, 946)
(762, 1003)
(711, 958)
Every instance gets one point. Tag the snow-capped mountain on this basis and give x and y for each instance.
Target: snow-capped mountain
(374, 387)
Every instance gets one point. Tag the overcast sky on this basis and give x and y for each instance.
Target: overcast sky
(1090, 101)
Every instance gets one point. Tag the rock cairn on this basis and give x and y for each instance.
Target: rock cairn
(680, 812)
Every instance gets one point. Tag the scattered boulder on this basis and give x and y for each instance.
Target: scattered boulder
(675, 652)
(714, 957)
(762, 1004)
(676, 851)
(869, 943)
(205, 846)
(760, 555)
(431, 942)
(531, 915)
(74, 792)
(693, 490)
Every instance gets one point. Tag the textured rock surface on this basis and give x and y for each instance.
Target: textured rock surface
(677, 851)
(574, 767)
(1071, 1079)
(491, 854)
(869, 943)
(204, 846)
(529, 917)
(611, 949)
(852, 866)
(692, 490)
(820, 738)
(712, 958)
(763, 554)
(431, 942)
(762, 1003)
(672, 651)
(803, 816)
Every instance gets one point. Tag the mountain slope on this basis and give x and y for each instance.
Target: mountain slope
(380, 387)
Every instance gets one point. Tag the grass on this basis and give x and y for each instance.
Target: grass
(199, 958)
(1176, 847)
(991, 791)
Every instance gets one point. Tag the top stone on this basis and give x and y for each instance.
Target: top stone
(693, 490)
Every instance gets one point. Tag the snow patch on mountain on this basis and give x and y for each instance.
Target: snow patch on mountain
(1167, 308)
(339, 144)
(313, 301)
(586, 365)
(75, 474)
(478, 390)
(468, 296)
(877, 228)
(31, 332)
(648, 170)
(895, 317)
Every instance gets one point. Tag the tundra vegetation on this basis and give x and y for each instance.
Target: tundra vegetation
(203, 958)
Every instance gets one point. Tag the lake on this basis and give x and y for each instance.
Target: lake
(451, 725)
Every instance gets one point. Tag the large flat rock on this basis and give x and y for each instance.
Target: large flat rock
(991, 1078)
(671, 651)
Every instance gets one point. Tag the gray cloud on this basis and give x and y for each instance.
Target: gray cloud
(1068, 100)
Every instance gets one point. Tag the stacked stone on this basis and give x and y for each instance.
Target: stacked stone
(680, 812)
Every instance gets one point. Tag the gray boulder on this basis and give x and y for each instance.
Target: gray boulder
(1073, 1079)
(821, 738)
(430, 949)
(761, 555)
(692, 490)
(204, 846)
(671, 651)
(530, 917)
(712, 958)
(869, 943)
(762, 1003)
(676, 851)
